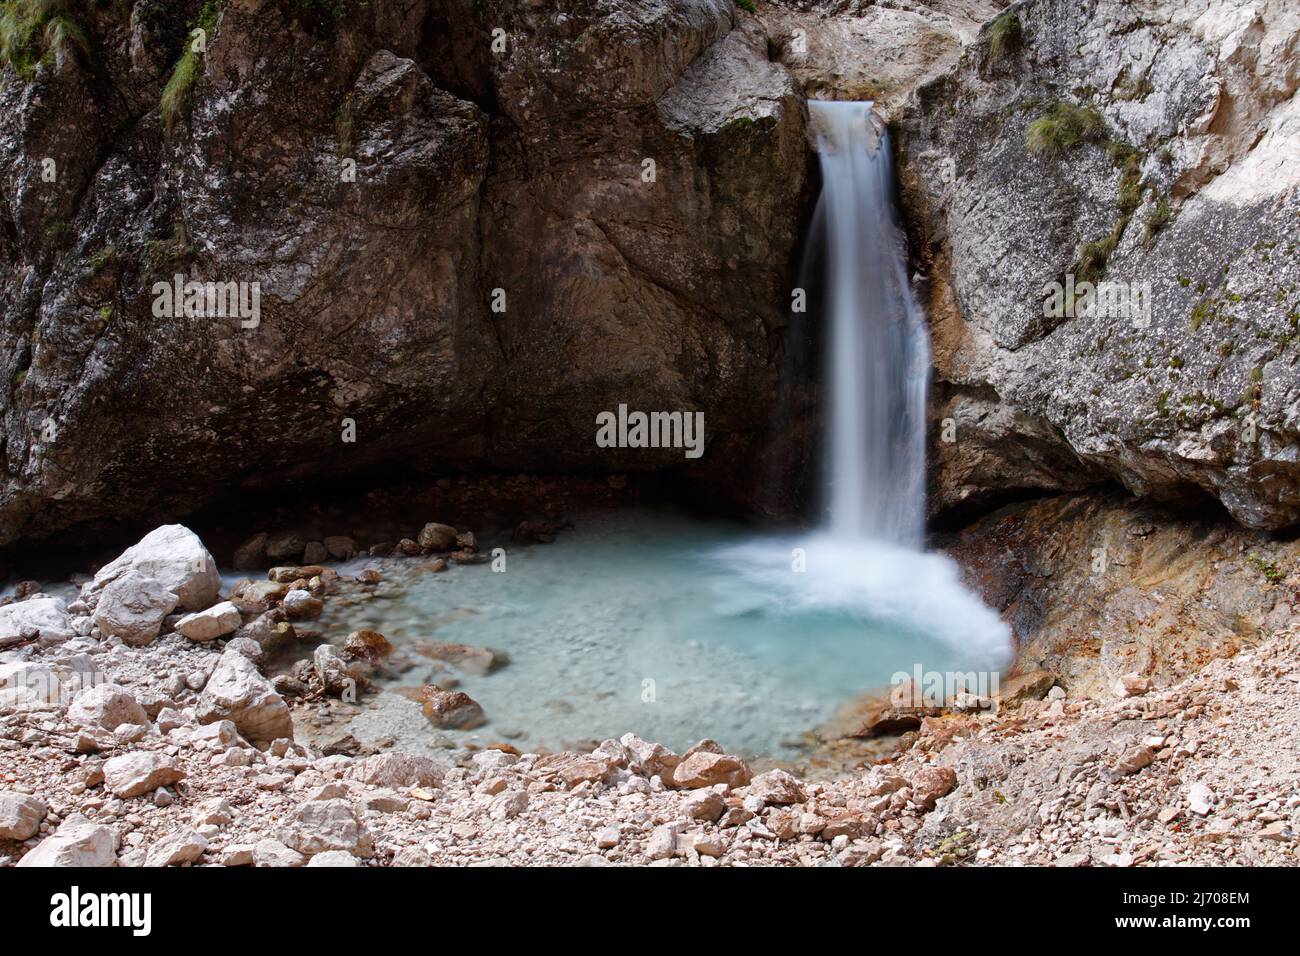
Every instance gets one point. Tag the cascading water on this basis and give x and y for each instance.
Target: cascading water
(878, 353)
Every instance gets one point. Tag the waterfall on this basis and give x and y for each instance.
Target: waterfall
(878, 351)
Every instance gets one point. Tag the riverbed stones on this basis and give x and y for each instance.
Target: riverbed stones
(106, 706)
(300, 605)
(704, 768)
(132, 607)
(238, 692)
(132, 774)
(78, 842)
(34, 618)
(210, 624)
(173, 556)
(20, 815)
(367, 645)
(340, 547)
(437, 537)
(478, 661)
(450, 709)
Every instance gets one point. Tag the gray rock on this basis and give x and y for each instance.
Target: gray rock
(238, 692)
(20, 815)
(174, 556)
(25, 620)
(132, 774)
(107, 706)
(133, 607)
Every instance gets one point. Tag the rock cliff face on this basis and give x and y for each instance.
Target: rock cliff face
(471, 228)
(1152, 149)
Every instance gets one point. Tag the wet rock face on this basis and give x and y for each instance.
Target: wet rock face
(379, 176)
(1182, 185)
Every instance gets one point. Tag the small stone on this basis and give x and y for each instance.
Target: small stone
(705, 805)
(450, 709)
(217, 621)
(1200, 799)
(608, 838)
(662, 843)
(334, 858)
(930, 784)
(1133, 685)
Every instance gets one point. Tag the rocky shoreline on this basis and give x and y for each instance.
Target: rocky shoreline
(125, 746)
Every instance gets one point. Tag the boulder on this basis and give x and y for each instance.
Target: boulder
(437, 537)
(340, 547)
(450, 709)
(931, 783)
(392, 770)
(367, 645)
(238, 692)
(77, 843)
(107, 706)
(302, 605)
(133, 606)
(175, 849)
(321, 825)
(274, 853)
(173, 556)
(706, 769)
(1024, 686)
(777, 788)
(210, 624)
(20, 815)
(132, 774)
(36, 617)
(334, 858)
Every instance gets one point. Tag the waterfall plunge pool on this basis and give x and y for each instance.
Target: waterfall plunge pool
(674, 629)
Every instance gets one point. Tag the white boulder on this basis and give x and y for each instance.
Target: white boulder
(174, 556)
(78, 842)
(107, 706)
(20, 815)
(130, 775)
(133, 607)
(238, 692)
(36, 617)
